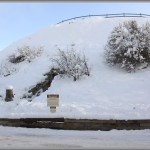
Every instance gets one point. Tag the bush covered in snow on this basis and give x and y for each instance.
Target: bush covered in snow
(28, 53)
(25, 53)
(16, 59)
(129, 46)
(71, 64)
(6, 68)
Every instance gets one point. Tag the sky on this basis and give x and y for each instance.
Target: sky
(20, 19)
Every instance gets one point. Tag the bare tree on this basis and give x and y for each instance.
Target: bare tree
(71, 64)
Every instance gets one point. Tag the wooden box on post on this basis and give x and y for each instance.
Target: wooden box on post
(52, 101)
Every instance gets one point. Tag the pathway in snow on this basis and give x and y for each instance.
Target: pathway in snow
(11, 137)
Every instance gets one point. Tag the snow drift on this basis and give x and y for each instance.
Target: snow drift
(108, 93)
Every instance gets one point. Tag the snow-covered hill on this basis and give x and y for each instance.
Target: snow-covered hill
(109, 93)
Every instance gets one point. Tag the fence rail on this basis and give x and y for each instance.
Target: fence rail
(77, 124)
(108, 16)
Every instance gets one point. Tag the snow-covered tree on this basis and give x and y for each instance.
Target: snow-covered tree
(71, 64)
(144, 42)
(129, 46)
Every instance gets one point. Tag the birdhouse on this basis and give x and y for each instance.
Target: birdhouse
(52, 101)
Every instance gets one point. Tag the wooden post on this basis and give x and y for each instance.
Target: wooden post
(9, 94)
(53, 109)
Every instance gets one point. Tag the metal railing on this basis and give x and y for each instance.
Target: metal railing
(108, 16)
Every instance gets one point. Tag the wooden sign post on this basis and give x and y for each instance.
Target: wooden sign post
(52, 101)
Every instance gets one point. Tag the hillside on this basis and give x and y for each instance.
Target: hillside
(109, 93)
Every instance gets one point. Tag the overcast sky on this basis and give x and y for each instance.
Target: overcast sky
(20, 19)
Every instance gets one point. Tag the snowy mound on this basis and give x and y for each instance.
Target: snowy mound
(108, 93)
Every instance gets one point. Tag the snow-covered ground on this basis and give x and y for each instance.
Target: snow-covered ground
(109, 93)
(60, 139)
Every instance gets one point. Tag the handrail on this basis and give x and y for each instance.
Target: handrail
(109, 16)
